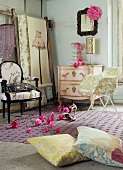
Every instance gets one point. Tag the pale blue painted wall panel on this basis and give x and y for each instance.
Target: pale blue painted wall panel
(64, 15)
(17, 4)
(33, 7)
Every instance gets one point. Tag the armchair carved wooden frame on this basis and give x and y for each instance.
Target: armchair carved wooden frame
(11, 73)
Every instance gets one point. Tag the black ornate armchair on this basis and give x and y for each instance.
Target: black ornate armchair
(13, 88)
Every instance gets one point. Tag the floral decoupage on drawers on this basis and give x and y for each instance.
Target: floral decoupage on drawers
(69, 79)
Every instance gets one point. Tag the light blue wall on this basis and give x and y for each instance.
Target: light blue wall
(12, 4)
(64, 15)
(33, 7)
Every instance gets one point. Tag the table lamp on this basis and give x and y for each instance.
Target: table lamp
(90, 47)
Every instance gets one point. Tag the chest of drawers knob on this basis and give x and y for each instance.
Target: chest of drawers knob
(73, 89)
(73, 73)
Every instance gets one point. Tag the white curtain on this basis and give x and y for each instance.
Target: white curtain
(117, 35)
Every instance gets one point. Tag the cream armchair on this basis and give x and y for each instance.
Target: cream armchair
(13, 88)
(98, 86)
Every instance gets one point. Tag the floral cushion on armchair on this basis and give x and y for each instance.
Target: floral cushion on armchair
(20, 87)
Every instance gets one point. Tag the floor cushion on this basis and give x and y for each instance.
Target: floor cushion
(57, 149)
(99, 146)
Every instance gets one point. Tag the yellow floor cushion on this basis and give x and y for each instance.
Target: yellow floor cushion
(57, 149)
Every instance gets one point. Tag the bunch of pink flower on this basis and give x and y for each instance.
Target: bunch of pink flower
(94, 13)
(63, 109)
(76, 64)
(47, 123)
(60, 108)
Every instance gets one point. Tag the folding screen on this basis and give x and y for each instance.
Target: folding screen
(29, 55)
(38, 26)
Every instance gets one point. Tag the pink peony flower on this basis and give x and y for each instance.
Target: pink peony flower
(48, 120)
(75, 64)
(51, 124)
(94, 13)
(81, 63)
(28, 130)
(57, 130)
(60, 116)
(46, 129)
(52, 118)
(37, 122)
(59, 108)
(62, 107)
(42, 118)
(52, 114)
(14, 124)
(66, 109)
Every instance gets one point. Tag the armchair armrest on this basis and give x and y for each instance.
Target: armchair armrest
(3, 85)
(28, 78)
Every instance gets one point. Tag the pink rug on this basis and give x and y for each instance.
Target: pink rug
(109, 123)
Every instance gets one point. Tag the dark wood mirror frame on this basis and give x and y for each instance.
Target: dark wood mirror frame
(85, 33)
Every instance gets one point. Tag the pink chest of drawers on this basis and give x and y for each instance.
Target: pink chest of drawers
(69, 79)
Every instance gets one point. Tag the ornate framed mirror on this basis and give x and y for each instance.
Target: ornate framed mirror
(85, 26)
